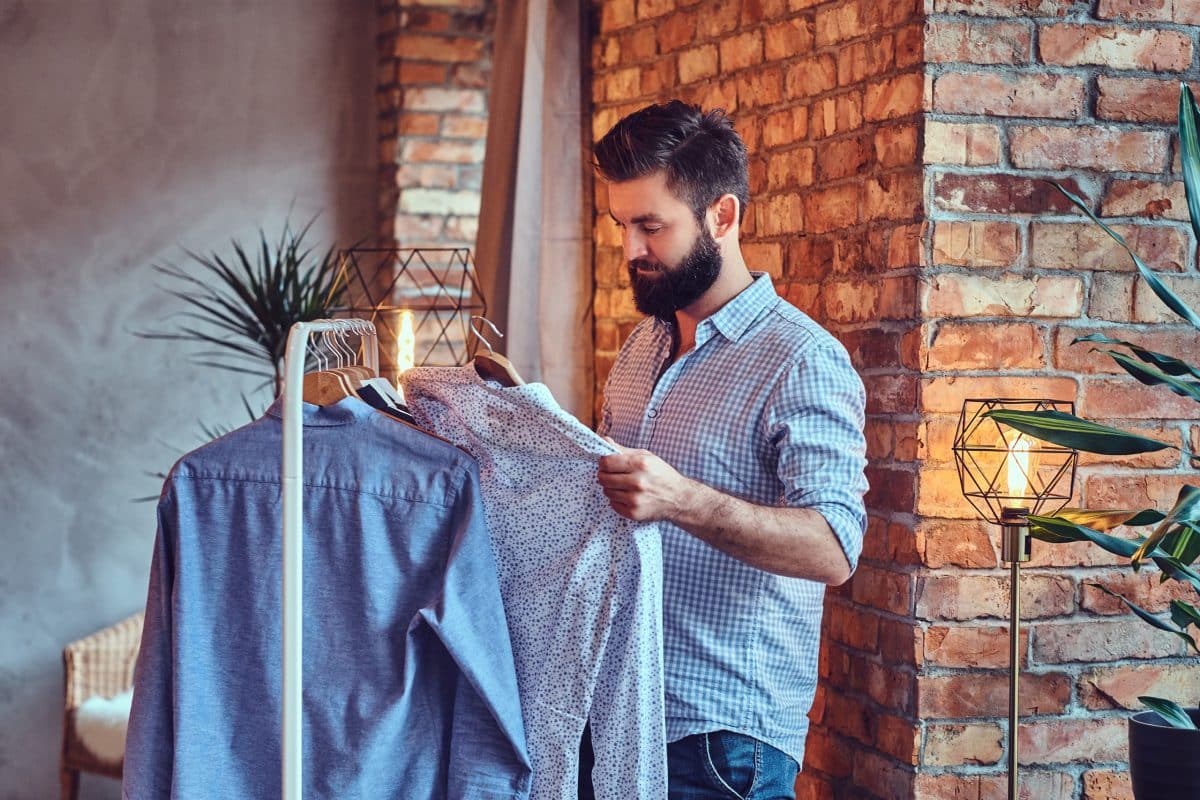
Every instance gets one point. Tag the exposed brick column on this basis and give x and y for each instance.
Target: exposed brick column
(1084, 93)
(434, 63)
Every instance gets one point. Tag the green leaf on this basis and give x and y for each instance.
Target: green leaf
(1060, 531)
(1154, 377)
(1107, 519)
(1184, 614)
(1150, 618)
(1068, 430)
(1156, 285)
(1171, 712)
(1184, 510)
(1168, 364)
(1189, 153)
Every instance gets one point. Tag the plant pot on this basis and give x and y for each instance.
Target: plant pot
(1164, 762)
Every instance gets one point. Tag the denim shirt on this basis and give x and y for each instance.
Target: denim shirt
(766, 407)
(582, 586)
(409, 686)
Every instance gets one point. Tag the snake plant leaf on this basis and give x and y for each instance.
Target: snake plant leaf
(1184, 614)
(1172, 713)
(1107, 519)
(1154, 377)
(1184, 542)
(1189, 153)
(1060, 531)
(1157, 286)
(1068, 430)
(1168, 364)
(1149, 618)
(1186, 509)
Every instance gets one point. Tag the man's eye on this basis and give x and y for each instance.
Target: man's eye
(651, 230)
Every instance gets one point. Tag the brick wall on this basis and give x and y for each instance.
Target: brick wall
(1084, 93)
(434, 62)
(899, 152)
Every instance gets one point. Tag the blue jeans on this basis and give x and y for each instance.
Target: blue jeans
(721, 765)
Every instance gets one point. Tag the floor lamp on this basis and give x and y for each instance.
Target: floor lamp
(1006, 476)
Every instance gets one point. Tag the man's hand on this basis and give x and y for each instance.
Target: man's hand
(641, 486)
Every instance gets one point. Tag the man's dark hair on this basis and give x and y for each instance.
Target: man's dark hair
(701, 153)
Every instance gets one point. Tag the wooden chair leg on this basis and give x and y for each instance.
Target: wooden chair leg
(70, 783)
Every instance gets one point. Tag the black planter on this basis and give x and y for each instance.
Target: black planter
(1164, 762)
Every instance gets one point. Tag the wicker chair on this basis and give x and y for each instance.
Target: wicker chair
(97, 665)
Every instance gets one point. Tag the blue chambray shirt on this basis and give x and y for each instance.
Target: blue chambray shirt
(765, 407)
(409, 685)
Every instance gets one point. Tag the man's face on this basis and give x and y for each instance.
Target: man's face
(672, 259)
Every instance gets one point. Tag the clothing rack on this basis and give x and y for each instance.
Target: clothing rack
(293, 530)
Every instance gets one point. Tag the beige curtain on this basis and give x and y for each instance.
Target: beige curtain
(533, 249)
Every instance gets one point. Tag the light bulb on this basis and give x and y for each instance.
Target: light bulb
(1020, 464)
(406, 343)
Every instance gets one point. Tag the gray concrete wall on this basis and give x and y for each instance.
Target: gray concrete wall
(130, 128)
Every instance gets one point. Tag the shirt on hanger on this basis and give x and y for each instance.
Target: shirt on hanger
(409, 688)
(768, 408)
(582, 586)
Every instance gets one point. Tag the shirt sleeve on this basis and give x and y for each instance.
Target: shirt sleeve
(150, 738)
(814, 418)
(488, 755)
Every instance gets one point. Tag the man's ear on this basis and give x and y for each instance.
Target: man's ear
(723, 215)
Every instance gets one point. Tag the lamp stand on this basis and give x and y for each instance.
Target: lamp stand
(1014, 549)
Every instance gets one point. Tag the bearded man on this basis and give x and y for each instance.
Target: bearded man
(739, 422)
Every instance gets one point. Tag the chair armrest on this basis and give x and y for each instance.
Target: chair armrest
(101, 663)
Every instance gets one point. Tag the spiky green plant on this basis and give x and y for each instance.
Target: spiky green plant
(1173, 542)
(241, 308)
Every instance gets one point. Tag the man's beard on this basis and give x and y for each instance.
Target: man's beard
(666, 291)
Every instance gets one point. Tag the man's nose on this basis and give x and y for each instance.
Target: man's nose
(635, 245)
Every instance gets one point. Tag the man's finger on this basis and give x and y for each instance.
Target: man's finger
(618, 462)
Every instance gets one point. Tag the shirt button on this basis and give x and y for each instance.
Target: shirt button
(652, 413)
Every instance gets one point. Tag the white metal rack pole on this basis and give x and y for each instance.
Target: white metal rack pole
(293, 532)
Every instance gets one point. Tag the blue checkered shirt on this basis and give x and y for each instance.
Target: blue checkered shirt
(765, 407)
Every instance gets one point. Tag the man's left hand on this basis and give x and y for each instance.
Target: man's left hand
(641, 486)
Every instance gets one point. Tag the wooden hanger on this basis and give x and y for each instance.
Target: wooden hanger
(491, 365)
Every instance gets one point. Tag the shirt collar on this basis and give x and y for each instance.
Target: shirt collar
(343, 412)
(732, 319)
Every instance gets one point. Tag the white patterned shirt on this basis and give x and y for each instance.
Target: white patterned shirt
(765, 407)
(582, 586)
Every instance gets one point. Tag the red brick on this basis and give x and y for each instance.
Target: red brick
(972, 144)
(1066, 642)
(896, 145)
(890, 394)
(755, 11)
(974, 695)
(443, 151)
(884, 777)
(697, 63)
(831, 209)
(410, 73)
(1136, 198)
(957, 543)
(440, 99)
(987, 346)
(1001, 194)
(741, 51)
(676, 31)
(1185, 12)
(439, 176)
(788, 39)
(1035, 785)
(910, 46)
(780, 214)
(1138, 99)
(786, 127)
(718, 17)
(953, 745)
(811, 76)
(971, 646)
(970, 597)
(1105, 785)
(862, 60)
(650, 9)
(764, 256)
(438, 48)
(1141, 588)
(967, 295)
(1131, 490)
(897, 197)
(839, 22)
(894, 97)
(1009, 95)
(1115, 47)
(1090, 147)
(871, 348)
(1124, 398)
(658, 77)
(946, 395)
(1147, 307)
(976, 244)
(1005, 8)
(1061, 741)
(413, 124)
(462, 127)
(1120, 687)
(906, 247)
(760, 87)
(837, 114)
(882, 589)
(1086, 246)
(949, 41)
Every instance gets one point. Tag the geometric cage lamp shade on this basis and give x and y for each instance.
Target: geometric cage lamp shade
(1001, 468)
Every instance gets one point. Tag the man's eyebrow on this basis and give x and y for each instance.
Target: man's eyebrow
(638, 220)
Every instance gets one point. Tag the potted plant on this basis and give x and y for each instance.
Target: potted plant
(1164, 743)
